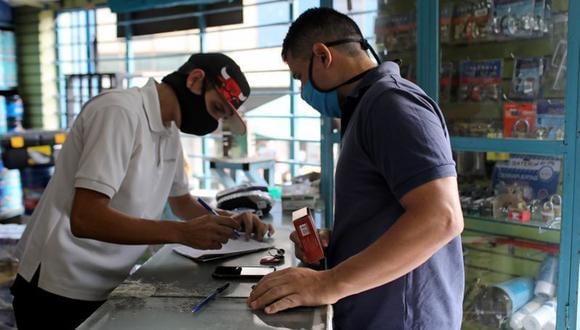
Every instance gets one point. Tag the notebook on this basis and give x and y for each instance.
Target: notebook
(232, 248)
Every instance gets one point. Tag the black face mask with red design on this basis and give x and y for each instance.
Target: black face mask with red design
(195, 119)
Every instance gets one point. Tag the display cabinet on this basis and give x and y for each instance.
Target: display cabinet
(506, 75)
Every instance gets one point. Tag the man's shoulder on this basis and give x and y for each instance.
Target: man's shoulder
(123, 98)
(125, 102)
(398, 95)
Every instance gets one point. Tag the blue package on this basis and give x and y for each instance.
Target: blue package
(537, 175)
(539, 20)
(527, 78)
(513, 18)
(550, 119)
(519, 290)
(480, 81)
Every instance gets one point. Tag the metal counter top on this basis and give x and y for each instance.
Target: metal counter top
(161, 293)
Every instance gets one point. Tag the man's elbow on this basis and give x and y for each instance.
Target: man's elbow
(78, 225)
(453, 223)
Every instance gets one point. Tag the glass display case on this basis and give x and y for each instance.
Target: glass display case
(501, 72)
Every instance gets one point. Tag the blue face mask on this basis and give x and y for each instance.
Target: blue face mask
(325, 101)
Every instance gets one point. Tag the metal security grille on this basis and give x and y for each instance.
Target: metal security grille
(281, 124)
(80, 88)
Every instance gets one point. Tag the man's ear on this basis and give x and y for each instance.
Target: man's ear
(195, 81)
(322, 54)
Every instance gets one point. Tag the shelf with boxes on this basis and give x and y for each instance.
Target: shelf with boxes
(522, 189)
(502, 88)
(507, 79)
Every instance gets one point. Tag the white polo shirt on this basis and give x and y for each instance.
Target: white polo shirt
(118, 146)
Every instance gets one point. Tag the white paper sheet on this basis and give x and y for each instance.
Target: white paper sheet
(232, 248)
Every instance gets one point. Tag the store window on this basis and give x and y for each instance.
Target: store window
(502, 76)
(503, 68)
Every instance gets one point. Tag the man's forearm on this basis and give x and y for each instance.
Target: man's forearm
(186, 207)
(92, 217)
(411, 241)
(115, 227)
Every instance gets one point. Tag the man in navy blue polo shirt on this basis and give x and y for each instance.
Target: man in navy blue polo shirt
(394, 254)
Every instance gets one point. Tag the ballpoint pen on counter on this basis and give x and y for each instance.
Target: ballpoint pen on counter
(207, 299)
(212, 211)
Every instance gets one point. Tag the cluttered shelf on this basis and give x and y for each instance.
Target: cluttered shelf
(505, 274)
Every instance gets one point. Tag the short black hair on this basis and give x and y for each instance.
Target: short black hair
(320, 25)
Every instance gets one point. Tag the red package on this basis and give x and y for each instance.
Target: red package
(308, 235)
(519, 216)
(519, 119)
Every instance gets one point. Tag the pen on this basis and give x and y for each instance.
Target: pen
(207, 299)
(212, 211)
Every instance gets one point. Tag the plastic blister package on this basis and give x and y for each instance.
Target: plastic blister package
(513, 18)
(527, 78)
(480, 81)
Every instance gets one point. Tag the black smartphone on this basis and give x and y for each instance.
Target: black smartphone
(242, 272)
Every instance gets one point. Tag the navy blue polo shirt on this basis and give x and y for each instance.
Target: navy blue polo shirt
(395, 140)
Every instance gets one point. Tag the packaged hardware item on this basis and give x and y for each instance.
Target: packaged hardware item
(500, 301)
(308, 235)
(513, 18)
(461, 17)
(536, 175)
(519, 119)
(527, 78)
(480, 81)
(471, 20)
(550, 120)
(509, 202)
(539, 25)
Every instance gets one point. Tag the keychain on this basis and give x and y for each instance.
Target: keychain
(276, 257)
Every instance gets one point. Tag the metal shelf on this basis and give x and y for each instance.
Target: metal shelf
(517, 146)
(536, 232)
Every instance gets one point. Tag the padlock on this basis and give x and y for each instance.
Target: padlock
(548, 212)
(521, 128)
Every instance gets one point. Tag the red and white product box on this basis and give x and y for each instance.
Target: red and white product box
(520, 216)
(308, 235)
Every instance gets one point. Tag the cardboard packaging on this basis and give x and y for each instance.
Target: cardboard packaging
(308, 235)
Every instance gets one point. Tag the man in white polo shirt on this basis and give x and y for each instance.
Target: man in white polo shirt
(120, 164)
